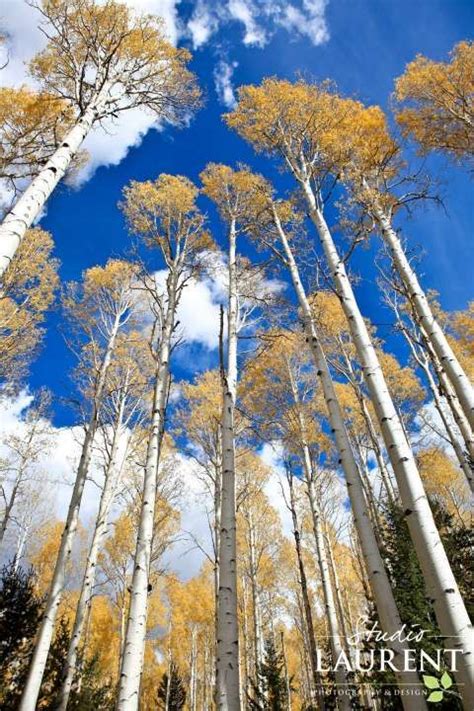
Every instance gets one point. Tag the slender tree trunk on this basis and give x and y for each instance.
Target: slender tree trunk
(31, 203)
(134, 644)
(193, 674)
(45, 635)
(335, 642)
(420, 303)
(112, 478)
(422, 359)
(18, 481)
(460, 419)
(448, 604)
(337, 591)
(227, 662)
(379, 582)
(285, 669)
(257, 623)
(308, 614)
(9, 508)
(246, 644)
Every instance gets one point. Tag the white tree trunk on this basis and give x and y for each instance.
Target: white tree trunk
(335, 642)
(134, 643)
(45, 635)
(450, 610)
(434, 333)
(227, 662)
(422, 359)
(379, 582)
(460, 419)
(317, 688)
(256, 607)
(30, 205)
(112, 478)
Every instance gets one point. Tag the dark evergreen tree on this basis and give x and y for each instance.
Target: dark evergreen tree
(171, 687)
(410, 591)
(272, 695)
(20, 612)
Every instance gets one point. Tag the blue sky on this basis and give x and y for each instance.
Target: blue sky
(369, 42)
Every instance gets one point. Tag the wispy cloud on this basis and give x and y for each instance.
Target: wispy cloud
(223, 73)
(260, 20)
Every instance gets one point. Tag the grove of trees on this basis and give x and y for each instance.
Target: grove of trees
(334, 467)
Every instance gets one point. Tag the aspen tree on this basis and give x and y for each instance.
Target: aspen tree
(164, 214)
(102, 60)
(308, 614)
(199, 414)
(314, 143)
(31, 125)
(127, 380)
(375, 165)
(23, 451)
(435, 104)
(229, 190)
(272, 234)
(404, 323)
(273, 380)
(27, 291)
(100, 308)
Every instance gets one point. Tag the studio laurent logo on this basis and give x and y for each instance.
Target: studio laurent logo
(371, 650)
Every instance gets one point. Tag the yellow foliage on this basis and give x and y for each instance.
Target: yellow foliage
(31, 126)
(164, 213)
(299, 121)
(437, 102)
(28, 291)
(95, 45)
(445, 481)
(237, 193)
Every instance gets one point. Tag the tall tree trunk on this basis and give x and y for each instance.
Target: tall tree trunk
(9, 507)
(285, 669)
(227, 662)
(134, 644)
(45, 635)
(256, 611)
(111, 481)
(16, 487)
(335, 642)
(446, 388)
(30, 205)
(308, 614)
(422, 359)
(421, 306)
(449, 607)
(379, 582)
(337, 591)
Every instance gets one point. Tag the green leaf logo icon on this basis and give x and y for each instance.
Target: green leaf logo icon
(437, 687)
(446, 681)
(435, 696)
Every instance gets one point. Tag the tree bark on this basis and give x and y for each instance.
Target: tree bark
(308, 614)
(449, 607)
(135, 635)
(227, 662)
(45, 635)
(30, 205)
(420, 303)
(379, 582)
(112, 478)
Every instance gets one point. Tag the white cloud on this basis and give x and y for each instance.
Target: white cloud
(223, 73)
(246, 12)
(260, 20)
(105, 147)
(203, 23)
